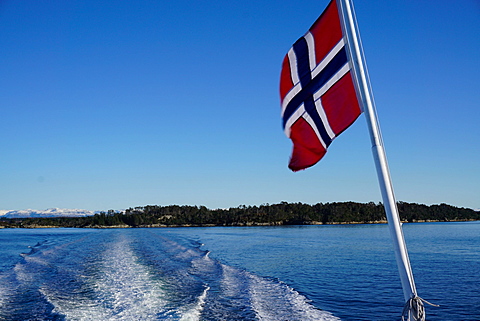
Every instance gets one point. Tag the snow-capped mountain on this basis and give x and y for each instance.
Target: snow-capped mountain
(50, 212)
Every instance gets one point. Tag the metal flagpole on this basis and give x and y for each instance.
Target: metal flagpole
(413, 304)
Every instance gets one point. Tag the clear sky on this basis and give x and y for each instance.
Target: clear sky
(116, 104)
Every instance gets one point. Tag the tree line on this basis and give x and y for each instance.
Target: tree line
(266, 214)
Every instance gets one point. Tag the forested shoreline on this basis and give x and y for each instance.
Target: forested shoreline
(266, 214)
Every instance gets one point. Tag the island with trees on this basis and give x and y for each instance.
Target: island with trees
(266, 214)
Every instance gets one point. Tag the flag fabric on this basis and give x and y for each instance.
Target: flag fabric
(317, 92)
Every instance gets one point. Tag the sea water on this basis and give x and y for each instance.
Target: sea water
(335, 272)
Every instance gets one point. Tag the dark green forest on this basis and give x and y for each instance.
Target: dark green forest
(265, 214)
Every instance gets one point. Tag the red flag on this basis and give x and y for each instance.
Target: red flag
(317, 93)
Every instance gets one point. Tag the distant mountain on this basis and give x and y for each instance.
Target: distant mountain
(51, 212)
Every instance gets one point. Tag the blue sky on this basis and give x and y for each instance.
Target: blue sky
(116, 104)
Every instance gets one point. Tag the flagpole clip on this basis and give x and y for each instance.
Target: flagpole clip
(415, 309)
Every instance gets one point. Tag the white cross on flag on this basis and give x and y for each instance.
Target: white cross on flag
(318, 96)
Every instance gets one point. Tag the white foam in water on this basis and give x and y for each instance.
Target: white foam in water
(123, 290)
(5, 291)
(75, 308)
(195, 312)
(204, 264)
(270, 300)
(113, 280)
(276, 301)
(230, 285)
(26, 272)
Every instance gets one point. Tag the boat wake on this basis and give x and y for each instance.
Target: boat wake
(140, 275)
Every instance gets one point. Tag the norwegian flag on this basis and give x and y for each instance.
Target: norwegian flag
(317, 93)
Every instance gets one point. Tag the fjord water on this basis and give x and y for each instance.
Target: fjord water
(344, 272)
